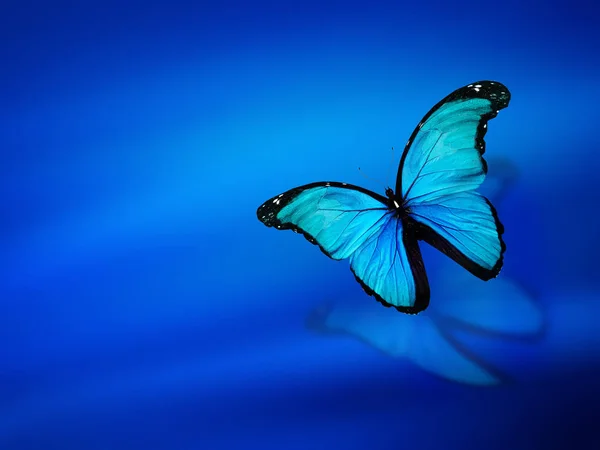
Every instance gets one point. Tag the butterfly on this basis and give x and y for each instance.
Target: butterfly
(435, 200)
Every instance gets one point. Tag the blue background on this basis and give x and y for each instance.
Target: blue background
(142, 304)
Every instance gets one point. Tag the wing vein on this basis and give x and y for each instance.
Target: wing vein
(405, 196)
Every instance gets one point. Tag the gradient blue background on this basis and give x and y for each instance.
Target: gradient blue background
(142, 304)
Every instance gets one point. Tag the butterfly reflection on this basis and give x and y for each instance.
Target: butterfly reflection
(432, 340)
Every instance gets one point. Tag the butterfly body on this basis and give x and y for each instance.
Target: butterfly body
(435, 201)
(396, 204)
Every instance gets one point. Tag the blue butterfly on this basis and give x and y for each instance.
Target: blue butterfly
(435, 200)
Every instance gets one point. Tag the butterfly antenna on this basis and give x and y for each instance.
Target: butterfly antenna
(371, 179)
(390, 168)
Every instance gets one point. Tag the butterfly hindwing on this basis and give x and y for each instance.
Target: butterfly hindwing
(440, 169)
(351, 222)
(465, 227)
(389, 266)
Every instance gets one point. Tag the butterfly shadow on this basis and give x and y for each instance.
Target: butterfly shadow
(437, 340)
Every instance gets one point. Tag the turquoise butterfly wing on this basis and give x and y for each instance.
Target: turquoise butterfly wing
(435, 201)
(440, 170)
(349, 222)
